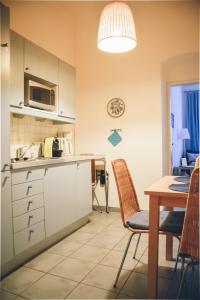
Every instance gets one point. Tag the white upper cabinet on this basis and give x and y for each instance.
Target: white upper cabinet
(67, 78)
(16, 70)
(40, 63)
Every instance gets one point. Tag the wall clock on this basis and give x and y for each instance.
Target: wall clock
(116, 107)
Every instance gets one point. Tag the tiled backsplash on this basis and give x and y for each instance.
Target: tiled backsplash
(27, 130)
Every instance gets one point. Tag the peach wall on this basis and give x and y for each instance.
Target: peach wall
(164, 31)
(51, 25)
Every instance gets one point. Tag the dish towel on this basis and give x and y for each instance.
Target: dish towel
(48, 147)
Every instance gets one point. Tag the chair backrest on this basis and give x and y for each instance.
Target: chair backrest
(126, 191)
(190, 235)
(197, 162)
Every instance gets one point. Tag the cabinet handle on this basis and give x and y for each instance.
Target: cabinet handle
(45, 171)
(29, 187)
(61, 112)
(30, 232)
(4, 181)
(29, 219)
(5, 166)
(27, 68)
(4, 45)
(29, 172)
(21, 103)
(29, 203)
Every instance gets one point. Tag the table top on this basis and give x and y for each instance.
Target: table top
(161, 187)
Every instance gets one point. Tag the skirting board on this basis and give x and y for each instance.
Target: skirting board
(111, 209)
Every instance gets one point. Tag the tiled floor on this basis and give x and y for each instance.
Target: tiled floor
(84, 266)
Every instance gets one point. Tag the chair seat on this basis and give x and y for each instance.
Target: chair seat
(169, 221)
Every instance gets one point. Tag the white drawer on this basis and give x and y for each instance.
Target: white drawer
(28, 204)
(24, 190)
(28, 237)
(28, 219)
(27, 175)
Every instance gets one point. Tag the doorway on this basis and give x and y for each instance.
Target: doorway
(184, 127)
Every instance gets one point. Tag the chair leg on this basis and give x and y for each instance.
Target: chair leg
(182, 279)
(123, 259)
(136, 247)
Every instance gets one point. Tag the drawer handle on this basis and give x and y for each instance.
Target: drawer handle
(30, 233)
(28, 173)
(29, 203)
(29, 219)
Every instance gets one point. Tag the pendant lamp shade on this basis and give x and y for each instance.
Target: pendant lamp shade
(116, 32)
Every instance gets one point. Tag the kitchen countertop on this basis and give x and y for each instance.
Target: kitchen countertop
(52, 161)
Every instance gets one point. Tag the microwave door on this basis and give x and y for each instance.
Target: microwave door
(40, 98)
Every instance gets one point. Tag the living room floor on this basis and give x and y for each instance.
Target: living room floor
(84, 266)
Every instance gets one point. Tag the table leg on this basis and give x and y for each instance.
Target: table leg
(169, 243)
(153, 247)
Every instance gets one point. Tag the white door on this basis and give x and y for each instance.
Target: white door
(6, 219)
(40, 63)
(16, 70)
(83, 189)
(67, 77)
(59, 197)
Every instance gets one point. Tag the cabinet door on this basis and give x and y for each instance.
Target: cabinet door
(67, 77)
(83, 189)
(6, 219)
(4, 89)
(40, 63)
(16, 70)
(59, 197)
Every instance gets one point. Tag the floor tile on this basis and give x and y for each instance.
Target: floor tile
(73, 269)
(79, 237)
(83, 291)
(6, 295)
(118, 231)
(64, 248)
(165, 268)
(50, 287)
(90, 253)
(114, 258)
(136, 286)
(104, 240)
(20, 280)
(122, 296)
(45, 262)
(104, 277)
(121, 246)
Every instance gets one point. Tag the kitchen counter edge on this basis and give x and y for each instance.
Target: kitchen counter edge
(53, 161)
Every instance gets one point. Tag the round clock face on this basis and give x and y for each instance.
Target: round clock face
(116, 107)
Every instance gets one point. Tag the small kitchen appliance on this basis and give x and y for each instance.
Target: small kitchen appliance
(51, 148)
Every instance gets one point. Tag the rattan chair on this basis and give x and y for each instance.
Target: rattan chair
(197, 162)
(135, 219)
(189, 245)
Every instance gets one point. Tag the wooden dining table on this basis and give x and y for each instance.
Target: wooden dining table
(160, 195)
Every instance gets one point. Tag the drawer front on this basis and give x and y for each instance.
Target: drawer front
(28, 237)
(28, 175)
(24, 190)
(28, 219)
(28, 204)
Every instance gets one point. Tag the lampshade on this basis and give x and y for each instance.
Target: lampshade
(185, 134)
(116, 28)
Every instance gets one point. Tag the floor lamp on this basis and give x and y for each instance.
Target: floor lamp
(184, 136)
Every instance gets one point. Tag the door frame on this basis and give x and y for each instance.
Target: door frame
(168, 118)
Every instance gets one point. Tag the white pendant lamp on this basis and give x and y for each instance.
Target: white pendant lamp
(116, 32)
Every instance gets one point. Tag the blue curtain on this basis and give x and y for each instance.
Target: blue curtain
(192, 120)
